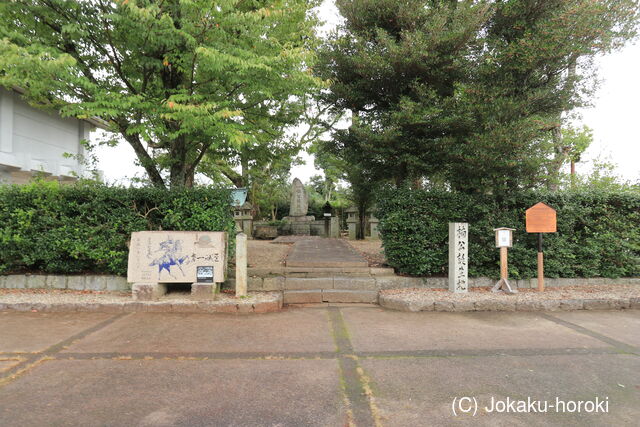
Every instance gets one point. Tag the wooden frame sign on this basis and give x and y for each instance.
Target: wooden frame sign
(541, 218)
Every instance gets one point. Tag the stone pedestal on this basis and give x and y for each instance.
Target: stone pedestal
(203, 291)
(298, 225)
(148, 291)
(458, 257)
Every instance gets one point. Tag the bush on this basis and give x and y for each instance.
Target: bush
(48, 228)
(598, 232)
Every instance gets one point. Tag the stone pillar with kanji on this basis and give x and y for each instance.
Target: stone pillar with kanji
(458, 257)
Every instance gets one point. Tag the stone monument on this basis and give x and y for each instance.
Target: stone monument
(458, 257)
(298, 222)
(160, 257)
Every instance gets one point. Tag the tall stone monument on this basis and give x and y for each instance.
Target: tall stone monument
(298, 222)
(458, 257)
(299, 199)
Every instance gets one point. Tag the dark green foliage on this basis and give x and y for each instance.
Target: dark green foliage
(45, 227)
(466, 94)
(598, 232)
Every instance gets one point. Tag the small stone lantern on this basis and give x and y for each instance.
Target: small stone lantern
(373, 226)
(243, 217)
(353, 222)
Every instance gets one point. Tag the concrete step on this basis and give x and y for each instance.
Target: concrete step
(318, 271)
(365, 283)
(325, 264)
(310, 296)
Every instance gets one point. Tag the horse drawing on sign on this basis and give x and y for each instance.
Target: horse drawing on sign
(170, 255)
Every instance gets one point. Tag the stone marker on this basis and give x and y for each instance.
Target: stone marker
(458, 257)
(299, 199)
(157, 257)
(241, 264)
(298, 222)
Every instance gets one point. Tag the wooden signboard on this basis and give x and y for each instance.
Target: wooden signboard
(541, 218)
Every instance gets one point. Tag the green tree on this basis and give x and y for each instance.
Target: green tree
(175, 78)
(465, 94)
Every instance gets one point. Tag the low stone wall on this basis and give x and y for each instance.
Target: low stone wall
(77, 283)
(372, 281)
(274, 283)
(397, 302)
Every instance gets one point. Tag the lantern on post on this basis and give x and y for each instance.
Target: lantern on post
(504, 240)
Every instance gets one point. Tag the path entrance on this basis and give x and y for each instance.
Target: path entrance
(324, 253)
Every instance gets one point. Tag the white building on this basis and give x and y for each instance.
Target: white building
(34, 141)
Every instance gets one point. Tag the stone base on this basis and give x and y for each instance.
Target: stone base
(148, 291)
(306, 218)
(203, 291)
(298, 225)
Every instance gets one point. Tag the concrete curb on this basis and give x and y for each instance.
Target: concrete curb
(329, 280)
(393, 302)
(163, 306)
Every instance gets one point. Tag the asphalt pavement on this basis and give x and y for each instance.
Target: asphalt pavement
(326, 365)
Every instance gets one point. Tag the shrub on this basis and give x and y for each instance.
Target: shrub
(598, 232)
(49, 228)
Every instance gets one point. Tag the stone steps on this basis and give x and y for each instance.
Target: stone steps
(318, 271)
(311, 296)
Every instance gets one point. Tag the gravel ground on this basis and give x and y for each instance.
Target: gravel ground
(604, 292)
(371, 250)
(50, 296)
(261, 253)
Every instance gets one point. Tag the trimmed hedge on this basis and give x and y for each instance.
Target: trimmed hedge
(598, 232)
(49, 228)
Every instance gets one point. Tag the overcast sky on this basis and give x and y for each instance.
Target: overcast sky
(616, 134)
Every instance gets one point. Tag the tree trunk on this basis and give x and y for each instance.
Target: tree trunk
(573, 173)
(362, 214)
(178, 169)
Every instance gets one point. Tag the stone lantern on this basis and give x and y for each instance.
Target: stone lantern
(243, 217)
(353, 222)
(373, 226)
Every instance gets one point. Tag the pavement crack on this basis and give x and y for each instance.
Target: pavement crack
(37, 358)
(621, 346)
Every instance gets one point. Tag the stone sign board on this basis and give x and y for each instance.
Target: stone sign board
(174, 256)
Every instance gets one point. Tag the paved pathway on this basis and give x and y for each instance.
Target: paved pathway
(323, 365)
(324, 253)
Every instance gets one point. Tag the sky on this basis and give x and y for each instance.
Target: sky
(616, 107)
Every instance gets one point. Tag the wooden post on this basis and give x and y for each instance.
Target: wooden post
(540, 272)
(504, 266)
(241, 265)
(540, 264)
(504, 240)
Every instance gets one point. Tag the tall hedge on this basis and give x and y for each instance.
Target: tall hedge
(598, 232)
(45, 227)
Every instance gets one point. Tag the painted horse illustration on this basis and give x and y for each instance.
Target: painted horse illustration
(170, 255)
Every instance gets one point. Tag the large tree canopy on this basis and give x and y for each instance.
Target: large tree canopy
(175, 78)
(464, 93)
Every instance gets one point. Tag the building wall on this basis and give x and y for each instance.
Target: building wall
(34, 141)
